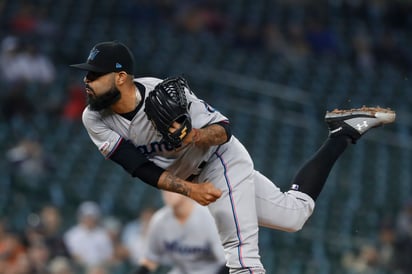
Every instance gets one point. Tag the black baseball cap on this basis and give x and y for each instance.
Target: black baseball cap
(108, 57)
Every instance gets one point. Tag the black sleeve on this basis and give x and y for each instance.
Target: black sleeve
(134, 162)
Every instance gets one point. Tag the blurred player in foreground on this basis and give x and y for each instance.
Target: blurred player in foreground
(183, 235)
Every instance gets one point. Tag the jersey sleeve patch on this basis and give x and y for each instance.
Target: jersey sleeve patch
(107, 148)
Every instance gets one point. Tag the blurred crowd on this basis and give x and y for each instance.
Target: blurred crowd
(95, 244)
(367, 34)
(98, 243)
(364, 33)
(390, 253)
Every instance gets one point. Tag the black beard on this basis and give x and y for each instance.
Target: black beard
(103, 101)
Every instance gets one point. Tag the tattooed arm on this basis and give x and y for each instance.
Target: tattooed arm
(211, 135)
(204, 193)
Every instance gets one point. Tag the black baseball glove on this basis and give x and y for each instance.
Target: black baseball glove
(166, 104)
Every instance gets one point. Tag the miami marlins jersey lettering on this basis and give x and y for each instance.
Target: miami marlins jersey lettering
(184, 248)
(155, 147)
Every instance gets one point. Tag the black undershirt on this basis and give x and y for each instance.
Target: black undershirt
(130, 115)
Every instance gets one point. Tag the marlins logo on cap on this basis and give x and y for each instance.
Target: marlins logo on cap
(108, 57)
(93, 54)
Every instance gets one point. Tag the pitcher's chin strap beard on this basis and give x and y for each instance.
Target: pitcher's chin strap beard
(105, 100)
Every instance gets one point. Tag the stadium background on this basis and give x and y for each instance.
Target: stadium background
(273, 67)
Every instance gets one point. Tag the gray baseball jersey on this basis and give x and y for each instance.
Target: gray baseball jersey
(193, 247)
(248, 198)
(107, 128)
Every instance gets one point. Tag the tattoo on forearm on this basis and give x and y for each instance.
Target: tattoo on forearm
(175, 184)
(212, 135)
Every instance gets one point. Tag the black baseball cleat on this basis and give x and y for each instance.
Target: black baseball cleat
(356, 122)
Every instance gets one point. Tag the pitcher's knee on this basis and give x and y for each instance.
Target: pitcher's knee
(298, 208)
(294, 225)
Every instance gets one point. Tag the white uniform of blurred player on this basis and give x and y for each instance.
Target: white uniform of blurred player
(183, 234)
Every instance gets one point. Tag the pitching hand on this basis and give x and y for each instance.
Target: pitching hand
(205, 193)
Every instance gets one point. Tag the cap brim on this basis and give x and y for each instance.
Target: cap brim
(87, 67)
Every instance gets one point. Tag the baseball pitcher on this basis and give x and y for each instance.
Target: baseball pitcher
(159, 131)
